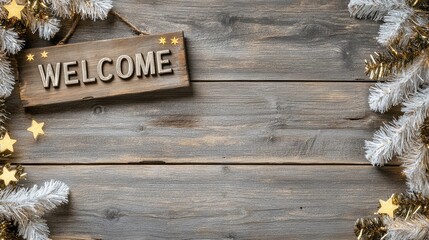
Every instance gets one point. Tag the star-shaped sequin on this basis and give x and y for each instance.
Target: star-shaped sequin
(174, 41)
(30, 57)
(162, 40)
(44, 54)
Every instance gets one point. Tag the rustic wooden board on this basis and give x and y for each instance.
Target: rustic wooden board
(216, 202)
(212, 123)
(252, 40)
(102, 68)
(313, 130)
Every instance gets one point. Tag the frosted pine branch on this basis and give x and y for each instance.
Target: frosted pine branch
(92, 9)
(10, 42)
(26, 206)
(395, 22)
(36, 229)
(415, 228)
(47, 28)
(384, 95)
(416, 163)
(394, 138)
(61, 8)
(374, 9)
(7, 77)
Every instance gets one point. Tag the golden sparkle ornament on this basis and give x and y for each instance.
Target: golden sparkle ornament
(6, 144)
(174, 41)
(36, 128)
(162, 40)
(44, 54)
(30, 57)
(8, 175)
(387, 207)
(14, 10)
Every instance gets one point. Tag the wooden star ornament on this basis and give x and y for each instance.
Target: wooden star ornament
(8, 175)
(36, 128)
(14, 10)
(6, 144)
(387, 207)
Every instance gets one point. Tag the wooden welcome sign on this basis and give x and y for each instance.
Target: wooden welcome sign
(102, 69)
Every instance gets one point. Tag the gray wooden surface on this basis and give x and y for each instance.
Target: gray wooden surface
(265, 144)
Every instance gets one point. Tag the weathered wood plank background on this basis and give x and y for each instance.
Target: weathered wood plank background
(266, 144)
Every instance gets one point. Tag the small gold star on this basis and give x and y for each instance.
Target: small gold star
(7, 143)
(174, 41)
(8, 176)
(387, 207)
(14, 10)
(162, 40)
(30, 57)
(44, 54)
(36, 128)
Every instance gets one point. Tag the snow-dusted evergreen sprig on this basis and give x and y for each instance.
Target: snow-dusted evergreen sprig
(92, 9)
(10, 42)
(7, 77)
(37, 228)
(26, 206)
(395, 137)
(384, 95)
(61, 8)
(395, 22)
(47, 28)
(374, 9)
(416, 165)
(414, 228)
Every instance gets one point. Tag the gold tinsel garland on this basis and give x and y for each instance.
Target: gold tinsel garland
(370, 228)
(397, 55)
(408, 206)
(8, 231)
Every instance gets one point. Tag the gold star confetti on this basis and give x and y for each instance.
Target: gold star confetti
(44, 54)
(174, 41)
(30, 57)
(162, 40)
(387, 207)
(8, 175)
(36, 128)
(14, 10)
(6, 144)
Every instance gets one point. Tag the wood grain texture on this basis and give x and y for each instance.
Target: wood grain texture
(40, 88)
(251, 40)
(216, 202)
(220, 137)
(210, 123)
